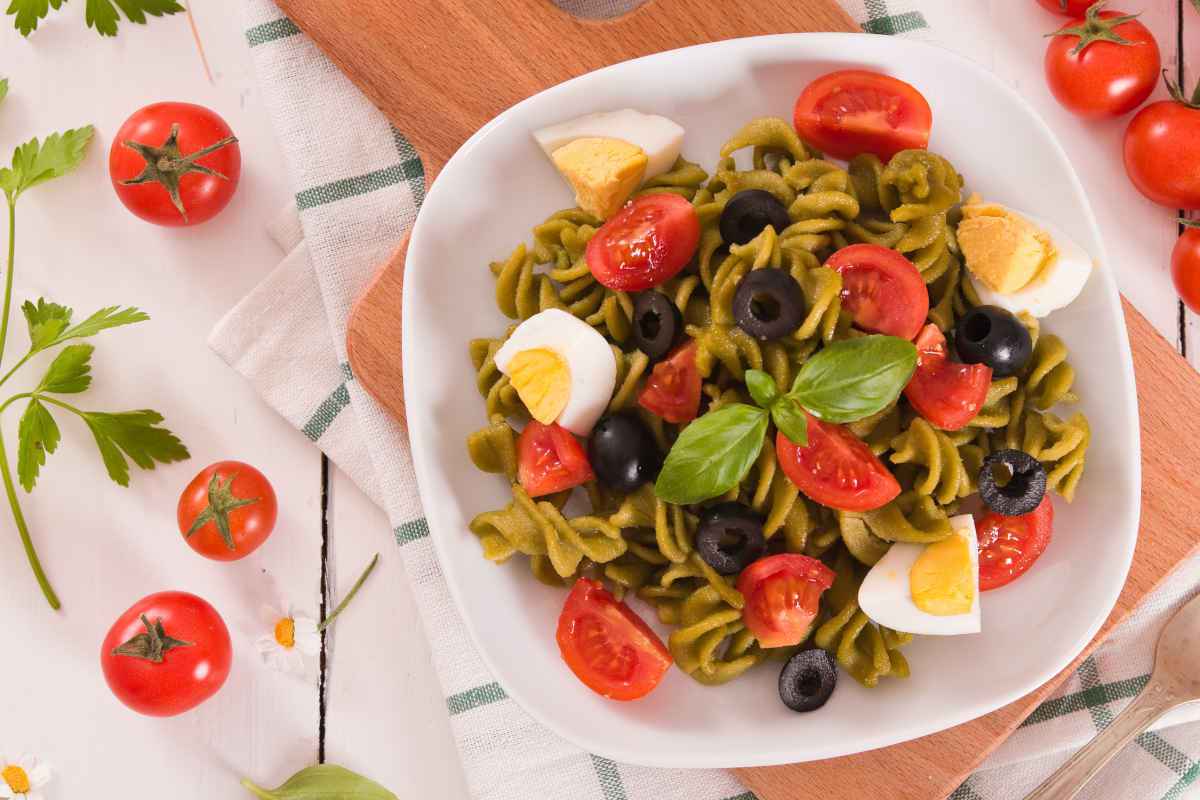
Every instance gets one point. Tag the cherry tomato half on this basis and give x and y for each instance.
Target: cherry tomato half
(882, 289)
(167, 653)
(836, 468)
(1185, 268)
(175, 164)
(1105, 78)
(945, 392)
(646, 243)
(608, 647)
(673, 389)
(227, 511)
(1161, 156)
(1068, 8)
(550, 459)
(783, 593)
(854, 111)
(1008, 546)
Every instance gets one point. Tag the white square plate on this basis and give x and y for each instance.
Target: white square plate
(499, 185)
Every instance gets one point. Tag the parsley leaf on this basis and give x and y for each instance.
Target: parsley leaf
(105, 318)
(101, 15)
(34, 162)
(37, 435)
(134, 434)
(3, 89)
(29, 12)
(69, 372)
(46, 321)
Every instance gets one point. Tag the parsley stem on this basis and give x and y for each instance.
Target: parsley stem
(350, 595)
(8, 278)
(16, 367)
(54, 401)
(23, 528)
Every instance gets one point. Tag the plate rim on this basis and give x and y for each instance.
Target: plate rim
(769, 756)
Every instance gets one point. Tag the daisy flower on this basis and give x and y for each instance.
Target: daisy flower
(294, 636)
(23, 778)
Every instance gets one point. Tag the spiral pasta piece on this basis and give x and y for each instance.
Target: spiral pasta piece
(941, 473)
(494, 448)
(865, 650)
(712, 645)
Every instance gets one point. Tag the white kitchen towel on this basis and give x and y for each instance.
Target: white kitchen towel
(357, 185)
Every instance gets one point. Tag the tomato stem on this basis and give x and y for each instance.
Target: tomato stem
(26, 541)
(1096, 29)
(349, 596)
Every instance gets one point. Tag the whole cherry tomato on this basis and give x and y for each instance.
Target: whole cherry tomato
(227, 511)
(175, 164)
(1103, 65)
(1161, 156)
(167, 653)
(1185, 267)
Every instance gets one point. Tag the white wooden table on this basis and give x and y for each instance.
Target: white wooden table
(104, 547)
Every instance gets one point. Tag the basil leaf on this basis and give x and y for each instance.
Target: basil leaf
(790, 418)
(712, 454)
(855, 378)
(322, 782)
(762, 387)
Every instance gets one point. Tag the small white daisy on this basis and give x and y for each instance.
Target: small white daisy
(292, 637)
(23, 777)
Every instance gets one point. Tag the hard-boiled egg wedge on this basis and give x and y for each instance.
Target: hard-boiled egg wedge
(930, 589)
(562, 368)
(1020, 263)
(606, 156)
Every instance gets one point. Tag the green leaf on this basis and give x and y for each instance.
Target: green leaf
(3, 89)
(105, 318)
(322, 782)
(37, 436)
(762, 387)
(101, 15)
(1196, 4)
(135, 434)
(69, 372)
(712, 454)
(46, 321)
(29, 12)
(855, 378)
(790, 418)
(34, 163)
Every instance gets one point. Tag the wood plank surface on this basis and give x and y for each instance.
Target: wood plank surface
(424, 89)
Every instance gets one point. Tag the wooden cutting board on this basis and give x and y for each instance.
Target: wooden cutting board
(421, 62)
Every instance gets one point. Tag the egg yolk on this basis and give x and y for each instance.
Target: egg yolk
(1003, 249)
(941, 581)
(543, 382)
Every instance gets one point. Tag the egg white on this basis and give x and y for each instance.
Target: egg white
(885, 596)
(659, 137)
(1056, 287)
(589, 358)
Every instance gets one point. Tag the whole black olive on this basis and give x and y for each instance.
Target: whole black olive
(730, 537)
(748, 212)
(656, 324)
(990, 335)
(623, 453)
(768, 304)
(807, 680)
(1025, 488)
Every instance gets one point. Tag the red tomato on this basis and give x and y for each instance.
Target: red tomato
(1161, 156)
(167, 653)
(1068, 8)
(836, 468)
(882, 289)
(1105, 78)
(673, 389)
(782, 595)
(947, 393)
(227, 511)
(608, 647)
(1008, 546)
(854, 111)
(550, 459)
(1185, 268)
(648, 241)
(175, 163)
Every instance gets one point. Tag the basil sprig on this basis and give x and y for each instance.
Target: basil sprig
(844, 382)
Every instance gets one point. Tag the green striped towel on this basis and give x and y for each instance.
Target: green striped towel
(358, 184)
